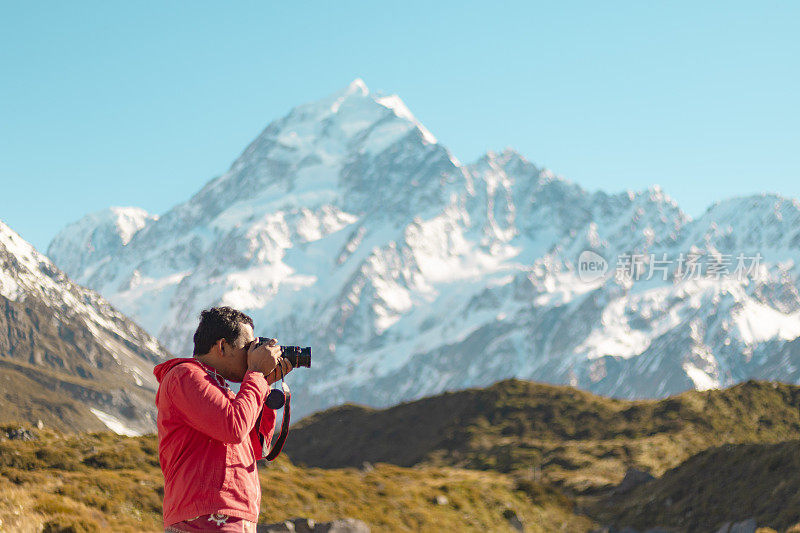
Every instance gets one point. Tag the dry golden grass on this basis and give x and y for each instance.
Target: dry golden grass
(514, 450)
(392, 498)
(101, 482)
(16, 509)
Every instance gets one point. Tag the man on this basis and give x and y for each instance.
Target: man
(208, 437)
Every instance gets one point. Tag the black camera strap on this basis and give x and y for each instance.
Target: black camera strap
(276, 449)
(275, 400)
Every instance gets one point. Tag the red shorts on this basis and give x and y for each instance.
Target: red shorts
(213, 522)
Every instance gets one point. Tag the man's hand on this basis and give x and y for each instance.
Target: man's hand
(265, 358)
(280, 370)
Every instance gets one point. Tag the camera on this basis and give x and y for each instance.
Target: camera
(296, 355)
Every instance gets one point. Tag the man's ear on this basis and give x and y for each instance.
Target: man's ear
(222, 347)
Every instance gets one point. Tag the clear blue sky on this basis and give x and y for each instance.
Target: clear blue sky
(141, 103)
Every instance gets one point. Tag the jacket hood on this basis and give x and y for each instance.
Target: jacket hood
(161, 370)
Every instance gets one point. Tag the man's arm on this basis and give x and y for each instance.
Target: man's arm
(209, 410)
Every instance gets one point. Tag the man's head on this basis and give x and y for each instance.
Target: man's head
(221, 340)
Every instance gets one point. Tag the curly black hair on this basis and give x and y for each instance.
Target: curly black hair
(219, 323)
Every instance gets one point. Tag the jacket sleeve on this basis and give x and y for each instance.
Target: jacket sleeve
(209, 410)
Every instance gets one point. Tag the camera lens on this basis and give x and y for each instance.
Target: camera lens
(298, 356)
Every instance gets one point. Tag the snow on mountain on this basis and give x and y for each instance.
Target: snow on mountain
(98, 235)
(57, 328)
(346, 226)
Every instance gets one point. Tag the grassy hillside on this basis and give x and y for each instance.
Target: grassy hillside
(731, 482)
(573, 439)
(28, 392)
(105, 482)
(550, 456)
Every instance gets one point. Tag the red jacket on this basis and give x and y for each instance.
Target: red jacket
(208, 443)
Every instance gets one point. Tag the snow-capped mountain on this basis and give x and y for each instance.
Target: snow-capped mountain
(66, 355)
(98, 233)
(346, 226)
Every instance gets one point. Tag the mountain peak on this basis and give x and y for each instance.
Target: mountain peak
(504, 157)
(765, 201)
(652, 194)
(356, 90)
(98, 234)
(759, 221)
(312, 150)
(355, 104)
(357, 86)
(11, 240)
(400, 110)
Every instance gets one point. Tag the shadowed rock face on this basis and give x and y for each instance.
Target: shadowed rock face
(64, 351)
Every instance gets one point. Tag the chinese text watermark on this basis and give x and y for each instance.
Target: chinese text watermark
(661, 266)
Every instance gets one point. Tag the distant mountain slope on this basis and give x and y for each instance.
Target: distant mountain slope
(573, 438)
(724, 484)
(346, 225)
(67, 356)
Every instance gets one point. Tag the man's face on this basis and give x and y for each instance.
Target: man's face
(237, 355)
